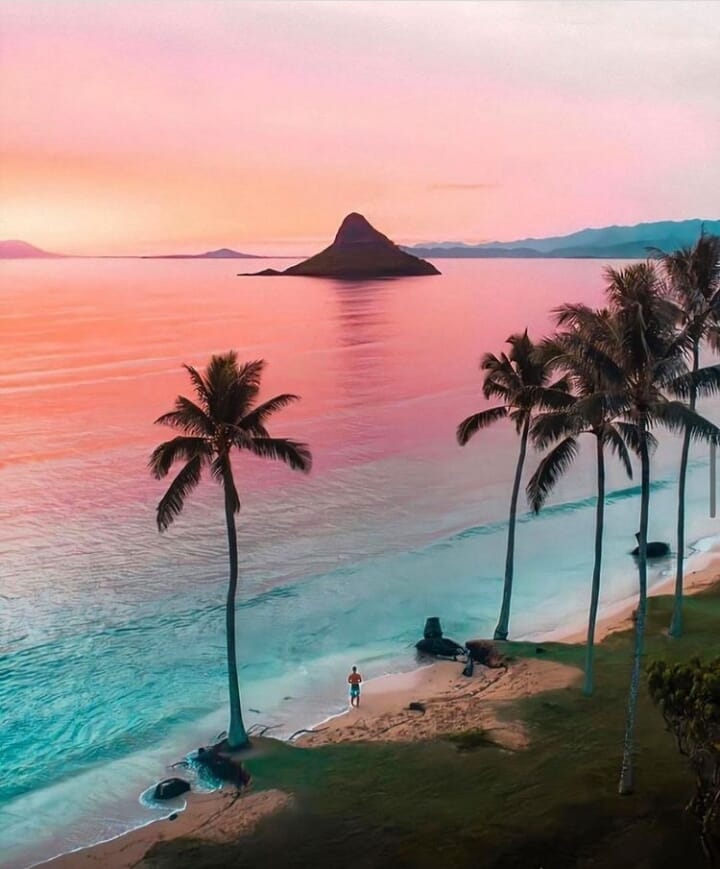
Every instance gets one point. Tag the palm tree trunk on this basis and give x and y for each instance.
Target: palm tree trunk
(626, 771)
(676, 626)
(595, 596)
(501, 631)
(237, 735)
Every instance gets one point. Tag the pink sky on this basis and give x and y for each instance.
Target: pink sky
(152, 126)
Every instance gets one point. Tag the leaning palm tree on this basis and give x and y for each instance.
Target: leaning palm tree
(693, 276)
(646, 347)
(521, 380)
(224, 418)
(592, 410)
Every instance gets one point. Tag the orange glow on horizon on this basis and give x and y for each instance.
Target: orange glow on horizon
(259, 126)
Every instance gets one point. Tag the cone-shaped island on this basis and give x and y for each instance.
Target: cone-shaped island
(359, 251)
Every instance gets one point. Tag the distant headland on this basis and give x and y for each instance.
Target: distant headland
(607, 242)
(220, 253)
(14, 249)
(359, 251)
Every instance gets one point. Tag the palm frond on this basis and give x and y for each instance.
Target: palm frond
(188, 417)
(677, 417)
(704, 381)
(612, 437)
(549, 471)
(545, 397)
(201, 389)
(295, 454)
(173, 500)
(470, 426)
(180, 448)
(630, 433)
(501, 378)
(255, 420)
(231, 388)
(547, 428)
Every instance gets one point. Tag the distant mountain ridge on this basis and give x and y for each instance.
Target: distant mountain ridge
(15, 249)
(608, 242)
(220, 253)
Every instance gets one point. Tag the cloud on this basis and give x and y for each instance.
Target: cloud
(461, 187)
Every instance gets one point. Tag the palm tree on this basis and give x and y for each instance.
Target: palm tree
(644, 345)
(693, 275)
(223, 418)
(591, 411)
(521, 380)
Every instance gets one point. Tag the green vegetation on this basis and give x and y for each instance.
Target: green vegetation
(224, 420)
(689, 698)
(553, 804)
(469, 740)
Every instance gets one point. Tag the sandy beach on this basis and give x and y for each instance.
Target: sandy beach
(215, 817)
(451, 703)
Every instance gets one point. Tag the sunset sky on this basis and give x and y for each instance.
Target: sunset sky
(137, 127)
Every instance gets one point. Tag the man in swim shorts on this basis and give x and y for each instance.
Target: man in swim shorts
(354, 679)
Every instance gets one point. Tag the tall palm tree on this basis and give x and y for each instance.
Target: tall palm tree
(521, 380)
(646, 348)
(693, 275)
(224, 418)
(591, 411)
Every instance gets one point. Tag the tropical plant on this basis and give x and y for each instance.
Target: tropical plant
(688, 696)
(693, 277)
(224, 418)
(591, 411)
(643, 353)
(521, 380)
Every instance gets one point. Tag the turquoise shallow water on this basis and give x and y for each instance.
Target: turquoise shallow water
(111, 646)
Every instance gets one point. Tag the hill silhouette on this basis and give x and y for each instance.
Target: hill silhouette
(359, 251)
(607, 242)
(15, 249)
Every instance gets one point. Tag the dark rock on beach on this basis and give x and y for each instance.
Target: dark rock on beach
(485, 652)
(223, 765)
(358, 252)
(433, 642)
(654, 548)
(170, 788)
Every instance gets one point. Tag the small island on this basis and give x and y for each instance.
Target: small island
(358, 252)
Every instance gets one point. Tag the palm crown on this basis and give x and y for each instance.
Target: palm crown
(224, 417)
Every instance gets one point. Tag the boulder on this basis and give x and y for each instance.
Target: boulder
(432, 630)
(485, 652)
(223, 765)
(653, 548)
(433, 642)
(170, 788)
(440, 647)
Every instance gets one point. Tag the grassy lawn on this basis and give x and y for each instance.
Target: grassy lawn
(552, 805)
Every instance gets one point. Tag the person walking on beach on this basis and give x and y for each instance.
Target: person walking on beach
(354, 679)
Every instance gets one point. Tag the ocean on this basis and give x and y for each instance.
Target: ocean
(112, 652)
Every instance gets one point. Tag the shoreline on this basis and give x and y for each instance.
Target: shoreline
(211, 817)
(449, 701)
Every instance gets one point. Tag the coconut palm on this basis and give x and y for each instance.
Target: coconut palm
(224, 418)
(521, 380)
(693, 275)
(644, 346)
(592, 411)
